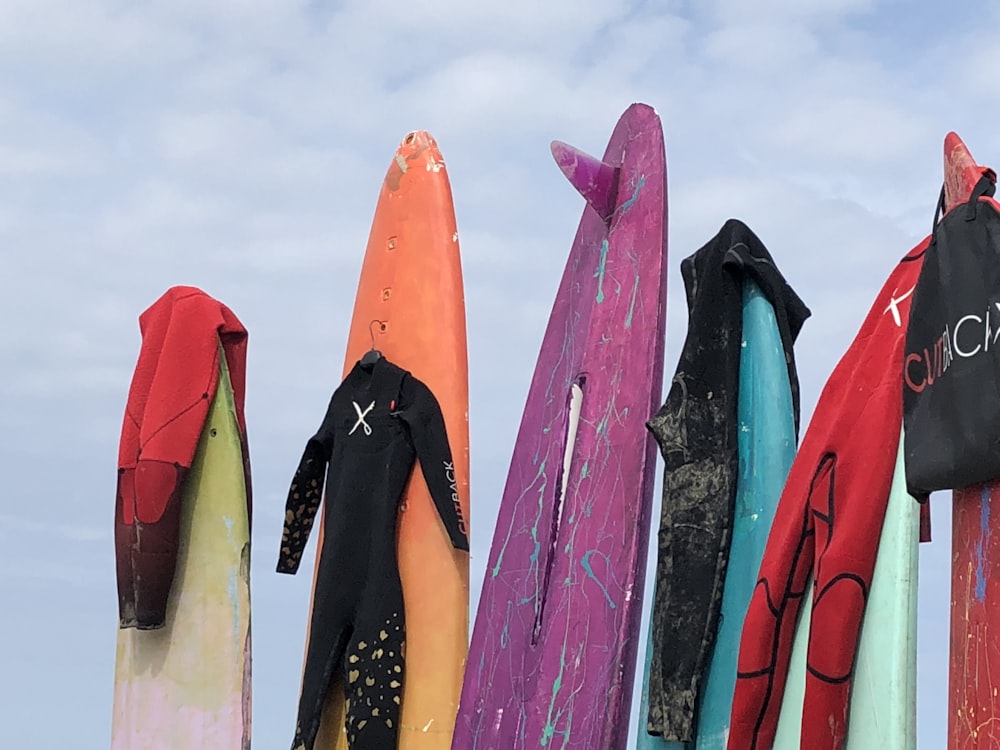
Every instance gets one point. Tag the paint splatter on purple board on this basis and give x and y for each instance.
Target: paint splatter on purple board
(553, 650)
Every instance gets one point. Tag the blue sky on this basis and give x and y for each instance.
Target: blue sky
(239, 147)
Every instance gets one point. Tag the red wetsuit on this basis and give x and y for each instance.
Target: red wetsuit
(168, 402)
(827, 524)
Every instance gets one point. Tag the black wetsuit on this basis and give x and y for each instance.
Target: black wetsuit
(379, 421)
(696, 429)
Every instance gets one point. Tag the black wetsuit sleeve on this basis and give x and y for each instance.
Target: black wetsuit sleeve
(422, 414)
(304, 497)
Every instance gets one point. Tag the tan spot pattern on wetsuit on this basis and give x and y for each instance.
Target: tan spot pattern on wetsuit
(374, 705)
(300, 512)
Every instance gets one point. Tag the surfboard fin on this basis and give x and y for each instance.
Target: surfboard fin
(595, 180)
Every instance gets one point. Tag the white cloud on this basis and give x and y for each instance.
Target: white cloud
(760, 45)
(11, 525)
(816, 12)
(81, 40)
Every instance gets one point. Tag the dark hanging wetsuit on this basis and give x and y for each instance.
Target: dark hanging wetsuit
(696, 431)
(379, 421)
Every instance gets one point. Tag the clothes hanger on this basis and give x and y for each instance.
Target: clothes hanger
(373, 355)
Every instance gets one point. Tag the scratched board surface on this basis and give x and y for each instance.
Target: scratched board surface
(974, 715)
(553, 650)
(974, 678)
(187, 685)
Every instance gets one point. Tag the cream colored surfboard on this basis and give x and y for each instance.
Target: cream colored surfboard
(187, 685)
(883, 714)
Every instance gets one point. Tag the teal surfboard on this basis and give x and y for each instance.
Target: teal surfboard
(766, 445)
(883, 711)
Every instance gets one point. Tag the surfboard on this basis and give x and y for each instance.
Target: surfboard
(187, 684)
(974, 672)
(766, 448)
(883, 711)
(552, 657)
(410, 303)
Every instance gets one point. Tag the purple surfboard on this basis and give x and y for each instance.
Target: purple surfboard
(553, 650)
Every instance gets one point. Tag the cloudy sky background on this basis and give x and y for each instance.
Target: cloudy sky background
(240, 146)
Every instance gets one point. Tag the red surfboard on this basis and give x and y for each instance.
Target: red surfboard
(974, 678)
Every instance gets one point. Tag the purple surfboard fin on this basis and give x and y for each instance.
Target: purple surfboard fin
(594, 179)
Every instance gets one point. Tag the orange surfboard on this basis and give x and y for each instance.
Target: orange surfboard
(411, 305)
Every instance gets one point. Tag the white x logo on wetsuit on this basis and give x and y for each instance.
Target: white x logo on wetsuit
(361, 418)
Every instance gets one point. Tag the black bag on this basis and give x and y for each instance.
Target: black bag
(951, 367)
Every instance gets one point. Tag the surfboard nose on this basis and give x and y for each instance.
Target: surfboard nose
(417, 140)
(418, 153)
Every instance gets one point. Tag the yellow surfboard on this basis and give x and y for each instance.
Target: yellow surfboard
(187, 685)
